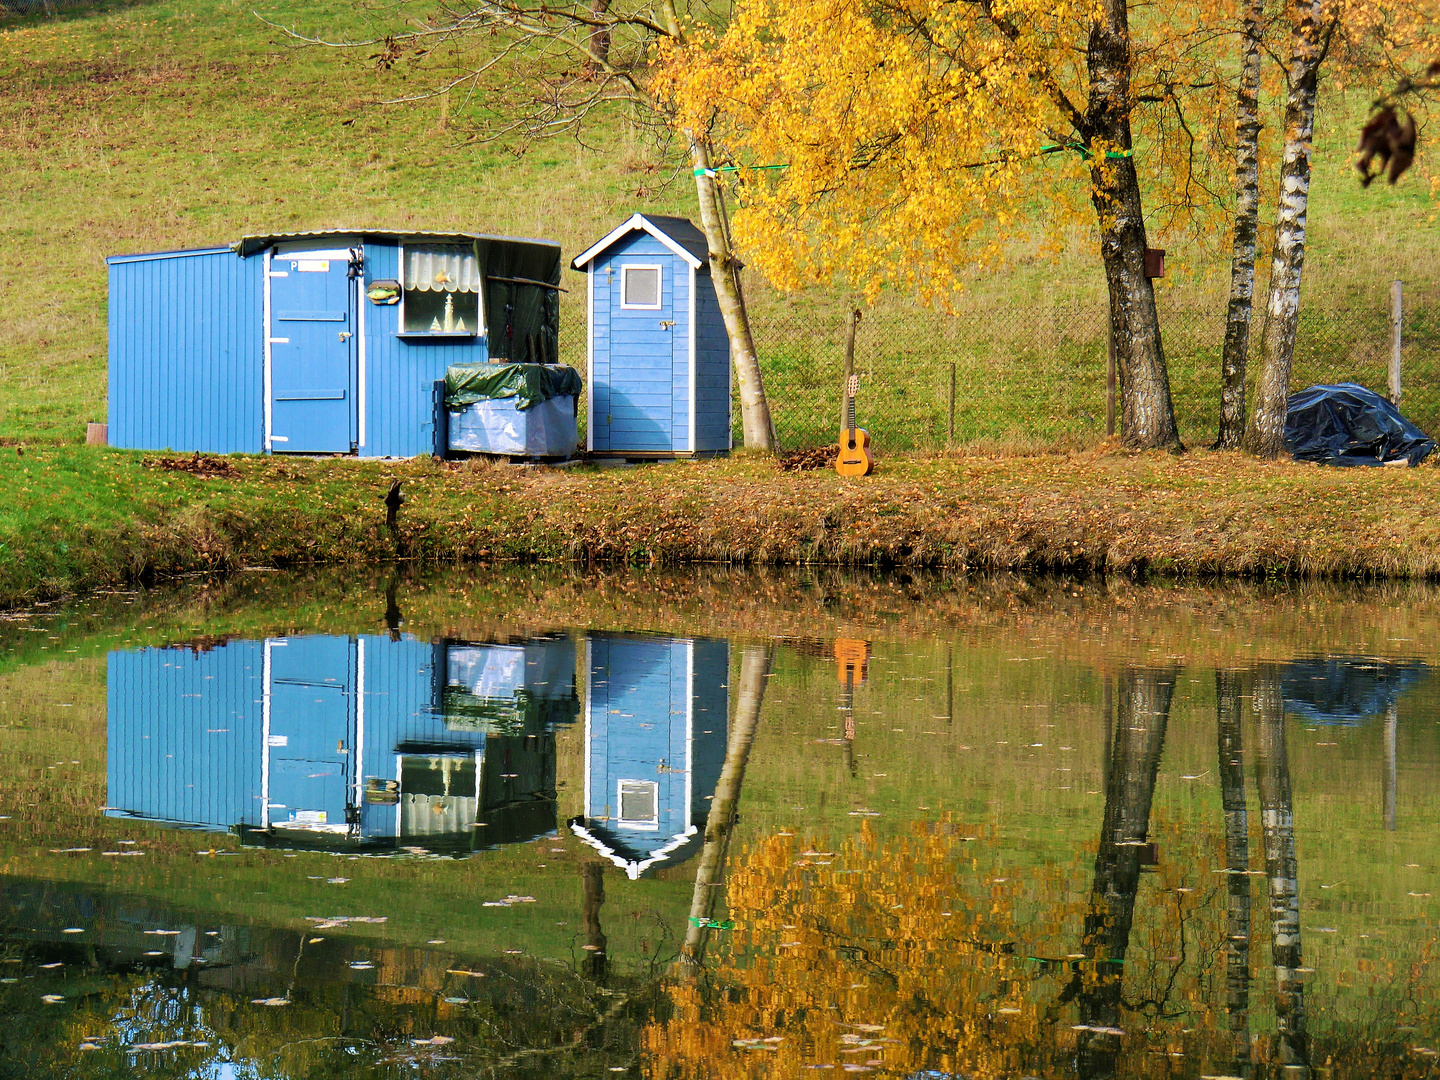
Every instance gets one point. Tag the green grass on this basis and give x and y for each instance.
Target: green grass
(149, 125)
(76, 518)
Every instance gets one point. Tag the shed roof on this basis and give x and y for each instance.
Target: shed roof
(249, 245)
(677, 233)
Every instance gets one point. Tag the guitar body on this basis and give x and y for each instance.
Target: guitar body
(855, 458)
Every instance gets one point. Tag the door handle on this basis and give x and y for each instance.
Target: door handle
(344, 335)
(667, 324)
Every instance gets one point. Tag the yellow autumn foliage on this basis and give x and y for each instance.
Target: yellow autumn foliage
(924, 140)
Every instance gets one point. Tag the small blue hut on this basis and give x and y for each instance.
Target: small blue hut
(656, 720)
(659, 357)
(341, 742)
(329, 342)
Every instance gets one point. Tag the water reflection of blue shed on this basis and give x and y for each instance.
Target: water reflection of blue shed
(329, 741)
(655, 732)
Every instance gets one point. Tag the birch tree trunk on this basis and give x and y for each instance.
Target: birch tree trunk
(709, 875)
(1147, 415)
(1242, 258)
(1144, 710)
(757, 430)
(1228, 687)
(1265, 436)
(1278, 823)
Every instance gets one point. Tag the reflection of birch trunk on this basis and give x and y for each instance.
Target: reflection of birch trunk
(1228, 687)
(1143, 709)
(1277, 820)
(592, 883)
(754, 670)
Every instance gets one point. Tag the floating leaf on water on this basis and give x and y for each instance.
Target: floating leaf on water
(462, 971)
(458, 1000)
(52, 999)
(163, 933)
(159, 1045)
(89, 1046)
(314, 940)
(436, 941)
(336, 880)
(73, 930)
(270, 1001)
(54, 965)
(437, 1040)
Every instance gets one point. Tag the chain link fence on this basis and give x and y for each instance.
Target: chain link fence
(1034, 374)
(1030, 374)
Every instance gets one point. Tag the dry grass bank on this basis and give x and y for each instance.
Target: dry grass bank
(74, 518)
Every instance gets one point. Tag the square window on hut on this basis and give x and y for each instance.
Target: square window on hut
(640, 287)
(639, 803)
(441, 290)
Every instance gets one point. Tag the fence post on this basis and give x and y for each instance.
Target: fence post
(1110, 381)
(1396, 312)
(951, 440)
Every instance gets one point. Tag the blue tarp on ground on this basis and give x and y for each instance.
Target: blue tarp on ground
(1346, 424)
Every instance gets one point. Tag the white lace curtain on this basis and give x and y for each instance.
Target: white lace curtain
(441, 268)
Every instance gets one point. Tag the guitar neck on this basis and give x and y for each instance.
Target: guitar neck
(850, 412)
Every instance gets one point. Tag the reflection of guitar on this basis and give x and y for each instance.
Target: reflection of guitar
(855, 458)
(852, 660)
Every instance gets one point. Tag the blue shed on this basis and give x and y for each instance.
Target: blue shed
(337, 741)
(656, 721)
(658, 354)
(319, 343)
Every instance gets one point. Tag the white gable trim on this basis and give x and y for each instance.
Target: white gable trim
(636, 222)
(633, 867)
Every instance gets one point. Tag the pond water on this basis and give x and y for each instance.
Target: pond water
(533, 823)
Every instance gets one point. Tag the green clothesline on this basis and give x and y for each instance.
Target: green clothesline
(1080, 149)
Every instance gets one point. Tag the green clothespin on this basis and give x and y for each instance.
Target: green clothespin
(711, 924)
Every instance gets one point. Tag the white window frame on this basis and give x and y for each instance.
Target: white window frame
(625, 269)
(479, 330)
(637, 823)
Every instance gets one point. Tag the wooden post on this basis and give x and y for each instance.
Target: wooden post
(1396, 311)
(1392, 723)
(1110, 383)
(850, 329)
(952, 402)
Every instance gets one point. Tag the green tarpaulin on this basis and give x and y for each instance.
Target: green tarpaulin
(522, 299)
(530, 384)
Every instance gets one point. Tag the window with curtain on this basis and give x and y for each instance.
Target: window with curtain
(441, 284)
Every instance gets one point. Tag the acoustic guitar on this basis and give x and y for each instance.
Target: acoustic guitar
(855, 458)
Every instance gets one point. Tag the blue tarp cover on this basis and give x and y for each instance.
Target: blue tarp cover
(1346, 424)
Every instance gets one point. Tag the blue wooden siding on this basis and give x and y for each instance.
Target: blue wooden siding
(184, 734)
(640, 726)
(400, 372)
(634, 408)
(187, 742)
(712, 369)
(187, 352)
(638, 371)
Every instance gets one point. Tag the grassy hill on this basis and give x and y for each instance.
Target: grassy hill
(135, 126)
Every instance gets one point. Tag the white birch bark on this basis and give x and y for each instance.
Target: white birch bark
(1265, 436)
(1242, 258)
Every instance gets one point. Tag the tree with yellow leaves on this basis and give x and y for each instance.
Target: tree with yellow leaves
(921, 137)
